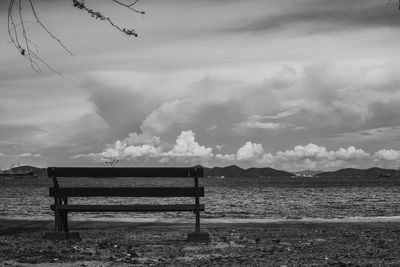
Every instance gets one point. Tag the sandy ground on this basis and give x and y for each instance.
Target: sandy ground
(293, 243)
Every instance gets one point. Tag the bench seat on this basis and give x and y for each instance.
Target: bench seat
(122, 208)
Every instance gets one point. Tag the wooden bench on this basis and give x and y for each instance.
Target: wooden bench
(61, 207)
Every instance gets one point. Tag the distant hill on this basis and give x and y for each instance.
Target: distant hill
(40, 172)
(363, 173)
(234, 171)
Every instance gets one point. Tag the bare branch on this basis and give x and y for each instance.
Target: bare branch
(18, 35)
(111, 161)
(129, 6)
(97, 15)
(17, 31)
(134, 3)
(28, 50)
(45, 28)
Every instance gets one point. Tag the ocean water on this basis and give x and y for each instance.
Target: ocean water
(245, 198)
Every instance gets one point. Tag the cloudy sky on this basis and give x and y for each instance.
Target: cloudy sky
(280, 83)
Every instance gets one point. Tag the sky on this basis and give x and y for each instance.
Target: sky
(293, 85)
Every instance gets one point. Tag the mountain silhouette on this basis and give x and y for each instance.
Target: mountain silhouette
(234, 171)
(362, 173)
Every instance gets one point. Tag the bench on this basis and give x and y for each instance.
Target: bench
(61, 207)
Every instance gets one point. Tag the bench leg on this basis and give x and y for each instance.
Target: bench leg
(64, 216)
(197, 236)
(61, 224)
(64, 221)
(57, 226)
(61, 231)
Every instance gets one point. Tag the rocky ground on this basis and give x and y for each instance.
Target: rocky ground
(135, 244)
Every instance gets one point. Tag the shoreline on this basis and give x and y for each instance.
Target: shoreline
(224, 220)
(233, 243)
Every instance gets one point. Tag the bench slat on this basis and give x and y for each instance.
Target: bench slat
(122, 208)
(125, 192)
(124, 172)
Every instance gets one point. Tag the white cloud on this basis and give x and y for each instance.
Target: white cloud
(351, 153)
(187, 150)
(121, 150)
(310, 156)
(24, 155)
(262, 125)
(308, 151)
(160, 119)
(187, 147)
(281, 115)
(135, 138)
(226, 157)
(249, 151)
(387, 155)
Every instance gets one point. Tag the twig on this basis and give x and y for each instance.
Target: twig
(14, 34)
(28, 50)
(129, 6)
(45, 28)
(97, 15)
(18, 35)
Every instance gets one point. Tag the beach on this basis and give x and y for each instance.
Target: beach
(146, 243)
(251, 222)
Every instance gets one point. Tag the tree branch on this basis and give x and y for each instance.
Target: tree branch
(97, 15)
(129, 6)
(45, 28)
(18, 35)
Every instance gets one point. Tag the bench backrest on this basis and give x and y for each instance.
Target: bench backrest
(196, 171)
(191, 172)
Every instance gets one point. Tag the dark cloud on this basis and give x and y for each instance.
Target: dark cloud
(385, 114)
(320, 16)
(13, 137)
(122, 109)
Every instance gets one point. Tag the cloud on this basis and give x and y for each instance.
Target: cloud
(28, 154)
(186, 149)
(226, 157)
(262, 125)
(24, 155)
(132, 104)
(310, 156)
(307, 102)
(387, 155)
(249, 151)
(321, 16)
(135, 138)
(268, 122)
(169, 113)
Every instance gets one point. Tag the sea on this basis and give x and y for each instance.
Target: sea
(272, 198)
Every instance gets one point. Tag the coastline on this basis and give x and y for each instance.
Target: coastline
(224, 220)
(233, 243)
